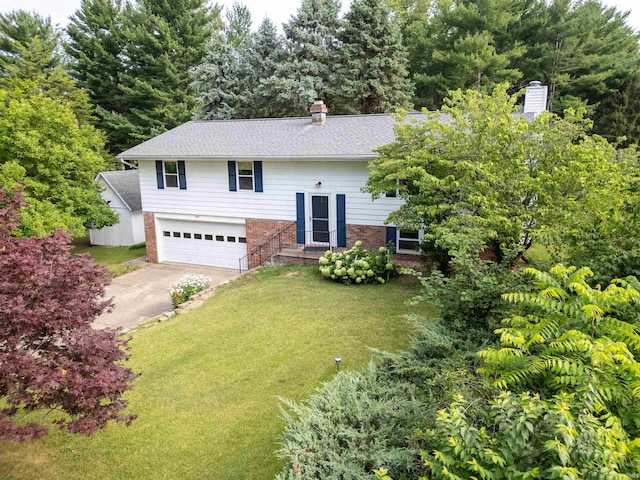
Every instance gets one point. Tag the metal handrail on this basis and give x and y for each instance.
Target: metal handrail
(269, 248)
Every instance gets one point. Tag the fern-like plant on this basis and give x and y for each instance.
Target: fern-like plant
(566, 337)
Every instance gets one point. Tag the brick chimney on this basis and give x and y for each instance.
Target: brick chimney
(535, 100)
(318, 113)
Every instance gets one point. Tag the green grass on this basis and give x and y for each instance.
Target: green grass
(538, 253)
(208, 394)
(113, 257)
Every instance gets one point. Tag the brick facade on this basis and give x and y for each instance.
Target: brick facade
(260, 231)
(371, 237)
(150, 237)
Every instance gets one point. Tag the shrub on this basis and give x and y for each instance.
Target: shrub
(525, 436)
(353, 424)
(358, 265)
(183, 289)
(472, 295)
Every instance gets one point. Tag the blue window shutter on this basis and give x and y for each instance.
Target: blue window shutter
(159, 174)
(300, 218)
(233, 187)
(342, 223)
(391, 236)
(391, 194)
(257, 173)
(182, 176)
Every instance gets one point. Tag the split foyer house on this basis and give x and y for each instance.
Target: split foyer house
(214, 191)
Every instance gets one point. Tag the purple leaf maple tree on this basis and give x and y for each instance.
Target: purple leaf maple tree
(50, 356)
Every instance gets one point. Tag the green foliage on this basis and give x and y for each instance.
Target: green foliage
(457, 44)
(47, 146)
(524, 436)
(472, 294)
(349, 426)
(221, 81)
(361, 421)
(185, 288)
(604, 235)
(358, 266)
(27, 38)
(477, 170)
(371, 72)
(567, 337)
(148, 50)
(311, 45)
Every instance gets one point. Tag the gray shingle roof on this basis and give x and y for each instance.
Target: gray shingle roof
(126, 184)
(340, 136)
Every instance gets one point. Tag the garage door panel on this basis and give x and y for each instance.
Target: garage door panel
(204, 244)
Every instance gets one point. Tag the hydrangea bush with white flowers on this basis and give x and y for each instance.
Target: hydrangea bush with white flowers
(358, 265)
(183, 289)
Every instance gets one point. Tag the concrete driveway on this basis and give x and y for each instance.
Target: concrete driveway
(144, 293)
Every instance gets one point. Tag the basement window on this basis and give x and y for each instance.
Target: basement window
(409, 240)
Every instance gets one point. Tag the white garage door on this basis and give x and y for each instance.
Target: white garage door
(202, 243)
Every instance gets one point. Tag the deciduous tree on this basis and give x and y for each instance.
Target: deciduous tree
(51, 358)
(478, 170)
(46, 145)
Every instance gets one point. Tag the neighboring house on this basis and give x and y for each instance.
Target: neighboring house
(214, 191)
(122, 193)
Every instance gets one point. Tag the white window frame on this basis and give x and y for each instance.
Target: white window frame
(252, 176)
(415, 251)
(168, 174)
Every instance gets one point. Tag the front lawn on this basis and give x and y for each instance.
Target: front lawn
(207, 398)
(114, 258)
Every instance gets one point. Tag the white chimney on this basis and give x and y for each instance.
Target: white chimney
(318, 112)
(535, 100)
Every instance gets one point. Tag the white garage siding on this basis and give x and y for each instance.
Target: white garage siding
(201, 243)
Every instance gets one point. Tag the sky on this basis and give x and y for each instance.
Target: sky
(279, 10)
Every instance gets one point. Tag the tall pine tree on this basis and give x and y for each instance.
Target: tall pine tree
(27, 36)
(461, 44)
(221, 82)
(266, 53)
(311, 44)
(94, 46)
(371, 73)
(160, 43)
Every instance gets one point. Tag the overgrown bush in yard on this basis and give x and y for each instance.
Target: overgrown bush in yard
(361, 421)
(190, 284)
(472, 295)
(357, 265)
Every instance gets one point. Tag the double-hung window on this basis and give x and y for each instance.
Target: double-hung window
(171, 174)
(245, 175)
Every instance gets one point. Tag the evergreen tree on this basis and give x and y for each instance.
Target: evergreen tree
(94, 46)
(459, 44)
(619, 115)
(160, 43)
(584, 52)
(266, 53)
(222, 81)
(311, 45)
(25, 33)
(371, 75)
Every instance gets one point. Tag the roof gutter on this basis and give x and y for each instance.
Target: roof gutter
(327, 158)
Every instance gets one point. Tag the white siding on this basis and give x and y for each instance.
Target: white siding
(128, 231)
(208, 192)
